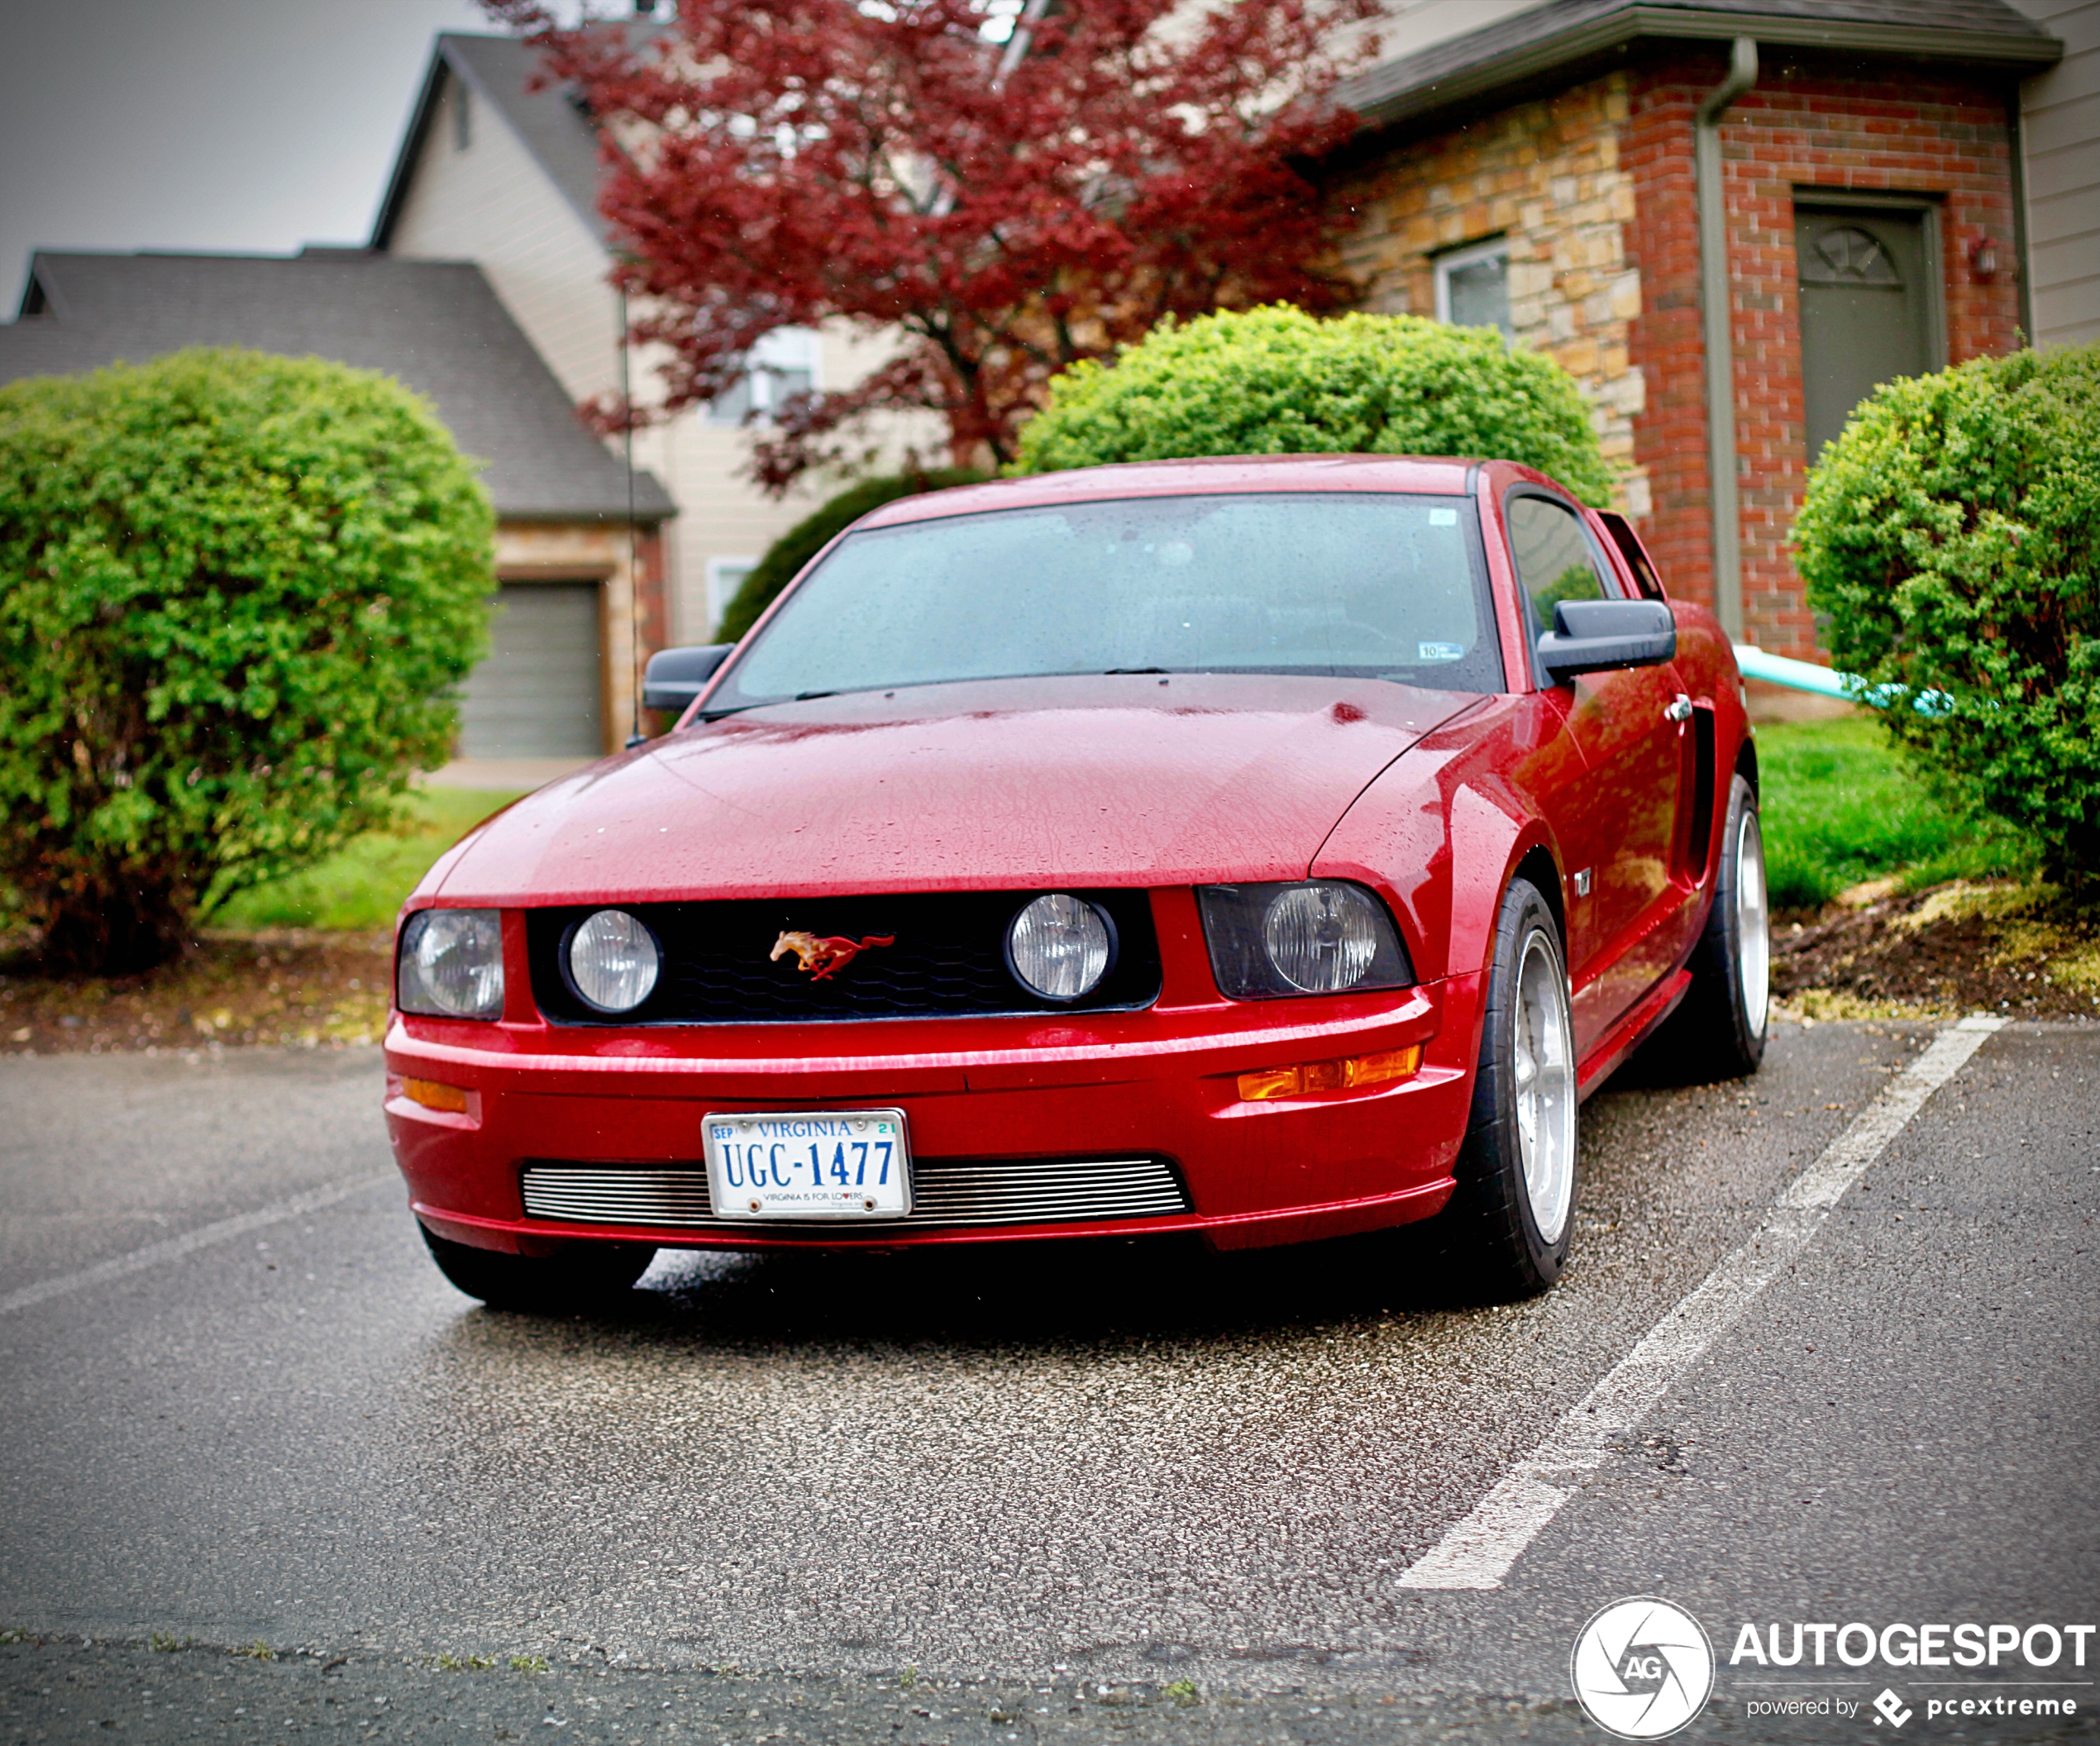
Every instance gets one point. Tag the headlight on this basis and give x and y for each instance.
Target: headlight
(613, 961)
(451, 965)
(1060, 947)
(1319, 937)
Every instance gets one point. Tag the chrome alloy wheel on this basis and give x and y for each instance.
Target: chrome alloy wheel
(1545, 1084)
(1752, 924)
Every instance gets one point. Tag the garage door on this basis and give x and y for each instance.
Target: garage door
(537, 695)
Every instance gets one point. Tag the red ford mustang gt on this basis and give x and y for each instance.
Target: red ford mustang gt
(1268, 849)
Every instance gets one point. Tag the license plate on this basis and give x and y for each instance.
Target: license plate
(849, 1164)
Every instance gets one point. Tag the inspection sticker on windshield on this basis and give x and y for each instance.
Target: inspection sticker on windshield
(1439, 652)
(851, 1164)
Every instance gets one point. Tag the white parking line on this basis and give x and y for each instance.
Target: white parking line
(153, 1253)
(1477, 1551)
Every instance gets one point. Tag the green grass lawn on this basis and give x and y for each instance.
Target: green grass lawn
(362, 884)
(1841, 806)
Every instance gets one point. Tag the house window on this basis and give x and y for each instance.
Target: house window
(462, 117)
(724, 577)
(1472, 286)
(781, 365)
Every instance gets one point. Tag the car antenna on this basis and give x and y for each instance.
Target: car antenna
(635, 735)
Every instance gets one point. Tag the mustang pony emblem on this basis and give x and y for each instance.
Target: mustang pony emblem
(824, 953)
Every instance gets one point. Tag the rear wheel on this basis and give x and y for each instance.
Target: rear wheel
(588, 1275)
(1509, 1218)
(1718, 1032)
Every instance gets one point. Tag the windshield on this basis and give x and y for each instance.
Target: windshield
(1359, 584)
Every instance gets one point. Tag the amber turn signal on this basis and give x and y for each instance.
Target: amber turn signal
(431, 1095)
(1330, 1076)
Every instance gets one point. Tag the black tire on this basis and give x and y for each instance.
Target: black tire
(1719, 1029)
(590, 1276)
(1492, 1235)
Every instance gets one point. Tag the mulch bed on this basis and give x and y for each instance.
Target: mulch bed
(2022, 954)
(311, 989)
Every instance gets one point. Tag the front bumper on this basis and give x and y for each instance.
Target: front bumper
(1160, 1084)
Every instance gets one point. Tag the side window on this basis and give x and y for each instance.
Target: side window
(1649, 585)
(1554, 562)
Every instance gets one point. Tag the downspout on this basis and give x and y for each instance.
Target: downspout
(1717, 338)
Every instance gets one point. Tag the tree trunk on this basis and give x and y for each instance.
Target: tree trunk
(115, 931)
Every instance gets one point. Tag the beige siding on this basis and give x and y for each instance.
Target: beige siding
(724, 515)
(492, 204)
(2060, 115)
(1405, 27)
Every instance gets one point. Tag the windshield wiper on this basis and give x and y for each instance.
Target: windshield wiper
(804, 697)
(1133, 669)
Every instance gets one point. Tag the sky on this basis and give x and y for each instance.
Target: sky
(242, 125)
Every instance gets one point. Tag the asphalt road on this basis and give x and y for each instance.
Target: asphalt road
(1130, 1492)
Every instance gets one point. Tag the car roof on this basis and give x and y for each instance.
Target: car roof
(1435, 475)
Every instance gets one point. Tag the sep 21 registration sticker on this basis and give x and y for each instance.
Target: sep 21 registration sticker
(849, 1164)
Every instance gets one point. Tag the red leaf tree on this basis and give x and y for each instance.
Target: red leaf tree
(1004, 209)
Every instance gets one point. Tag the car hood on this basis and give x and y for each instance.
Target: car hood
(1119, 779)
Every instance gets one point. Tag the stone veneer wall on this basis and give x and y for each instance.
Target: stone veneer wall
(1912, 131)
(1548, 176)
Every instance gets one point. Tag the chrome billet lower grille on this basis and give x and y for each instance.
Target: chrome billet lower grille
(945, 1192)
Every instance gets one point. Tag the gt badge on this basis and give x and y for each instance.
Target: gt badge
(823, 954)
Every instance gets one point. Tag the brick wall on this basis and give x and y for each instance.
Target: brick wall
(1547, 175)
(1909, 131)
(1594, 190)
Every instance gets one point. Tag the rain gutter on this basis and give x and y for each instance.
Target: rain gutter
(1718, 340)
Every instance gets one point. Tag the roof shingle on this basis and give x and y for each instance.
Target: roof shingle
(436, 326)
(1525, 45)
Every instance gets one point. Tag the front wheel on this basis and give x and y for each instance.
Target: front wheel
(590, 1274)
(1510, 1218)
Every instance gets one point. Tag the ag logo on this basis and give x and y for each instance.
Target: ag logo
(1642, 1668)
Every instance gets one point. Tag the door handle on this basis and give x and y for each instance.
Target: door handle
(1680, 710)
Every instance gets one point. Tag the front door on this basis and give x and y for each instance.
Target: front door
(1624, 826)
(1867, 314)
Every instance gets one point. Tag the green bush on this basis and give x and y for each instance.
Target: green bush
(1952, 536)
(1276, 381)
(785, 556)
(236, 594)
(361, 887)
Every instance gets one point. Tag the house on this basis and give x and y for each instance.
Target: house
(578, 583)
(1730, 220)
(2058, 124)
(496, 172)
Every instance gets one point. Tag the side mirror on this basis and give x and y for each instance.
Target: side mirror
(1594, 636)
(675, 677)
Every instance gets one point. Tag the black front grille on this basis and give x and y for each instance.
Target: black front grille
(947, 958)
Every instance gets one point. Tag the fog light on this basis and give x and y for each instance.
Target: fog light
(614, 961)
(1059, 947)
(1344, 1075)
(431, 1095)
